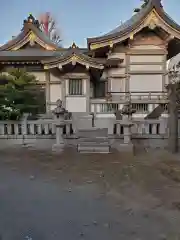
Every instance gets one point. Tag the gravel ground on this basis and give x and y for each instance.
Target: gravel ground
(74, 196)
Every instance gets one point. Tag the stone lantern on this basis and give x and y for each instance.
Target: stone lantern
(127, 111)
(60, 113)
(127, 123)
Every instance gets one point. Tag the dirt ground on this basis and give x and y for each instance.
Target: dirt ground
(75, 196)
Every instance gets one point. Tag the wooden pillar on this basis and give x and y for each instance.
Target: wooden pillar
(127, 75)
(87, 93)
(106, 88)
(109, 84)
(47, 77)
(173, 118)
(63, 91)
(164, 72)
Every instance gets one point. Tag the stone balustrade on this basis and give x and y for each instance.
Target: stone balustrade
(46, 128)
(142, 128)
(149, 133)
(32, 128)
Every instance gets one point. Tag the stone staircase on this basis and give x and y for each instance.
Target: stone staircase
(93, 140)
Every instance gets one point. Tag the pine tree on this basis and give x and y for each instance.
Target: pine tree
(20, 93)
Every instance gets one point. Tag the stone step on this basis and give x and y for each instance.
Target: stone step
(93, 148)
(94, 140)
(92, 133)
(93, 143)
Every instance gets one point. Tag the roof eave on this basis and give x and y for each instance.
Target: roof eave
(153, 4)
(13, 41)
(121, 33)
(27, 28)
(73, 58)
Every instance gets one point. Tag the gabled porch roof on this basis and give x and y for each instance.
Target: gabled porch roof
(72, 56)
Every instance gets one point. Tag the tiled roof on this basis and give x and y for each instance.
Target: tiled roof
(129, 23)
(135, 20)
(32, 54)
(29, 26)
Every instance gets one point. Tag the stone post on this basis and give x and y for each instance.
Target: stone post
(127, 124)
(59, 138)
(173, 118)
(127, 134)
(24, 128)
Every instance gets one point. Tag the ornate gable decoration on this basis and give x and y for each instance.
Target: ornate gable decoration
(31, 34)
(32, 20)
(73, 56)
(152, 20)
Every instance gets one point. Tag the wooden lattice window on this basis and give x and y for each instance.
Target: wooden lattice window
(75, 87)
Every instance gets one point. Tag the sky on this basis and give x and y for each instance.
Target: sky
(76, 19)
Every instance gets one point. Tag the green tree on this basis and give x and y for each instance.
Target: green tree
(20, 93)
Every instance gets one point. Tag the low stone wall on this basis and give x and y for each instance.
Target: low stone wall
(47, 143)
(145, 133)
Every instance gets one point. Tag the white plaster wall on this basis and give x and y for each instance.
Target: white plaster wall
(116, 71)
(40, 76)
(118, 52)
(146, 58)
(166, 79)
(66, 86)
(117, 85)
(145, 82)
(84, 87)
(76, 104)
(116, 55)
(55, 92)
(146, 67)
(54, 78)
(52, 107)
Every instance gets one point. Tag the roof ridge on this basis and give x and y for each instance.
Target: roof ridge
(156, 3)
(30, 24)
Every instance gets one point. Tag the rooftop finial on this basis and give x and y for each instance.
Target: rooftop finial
(31, 19)
(74, 45)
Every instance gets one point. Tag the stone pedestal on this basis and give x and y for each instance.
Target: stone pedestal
(59, 145)
(126, 148)
(127, 145)
(126, 123)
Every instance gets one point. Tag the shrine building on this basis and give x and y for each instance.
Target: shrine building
(127, 63)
